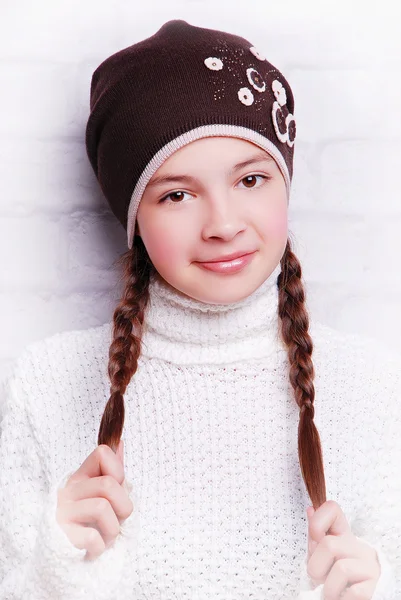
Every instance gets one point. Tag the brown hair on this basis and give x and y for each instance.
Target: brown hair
(125, 350)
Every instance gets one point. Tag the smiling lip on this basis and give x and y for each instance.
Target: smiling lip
(229, 257)
(229, 266)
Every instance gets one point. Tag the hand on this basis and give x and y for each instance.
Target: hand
(93, 502)
(344, 563)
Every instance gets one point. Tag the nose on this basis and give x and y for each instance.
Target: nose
(222, 219)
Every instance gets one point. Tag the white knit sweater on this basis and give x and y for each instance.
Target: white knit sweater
(210, 456)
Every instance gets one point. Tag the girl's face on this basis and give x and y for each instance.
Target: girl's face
(217, 209)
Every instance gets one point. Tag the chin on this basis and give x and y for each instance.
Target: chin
(222, 292)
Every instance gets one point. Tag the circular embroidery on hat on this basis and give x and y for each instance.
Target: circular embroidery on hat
(255, 79)
(246, 96)
(291, 128)
(279, 122)
(279, 92)
(256, 53)
(213, 63)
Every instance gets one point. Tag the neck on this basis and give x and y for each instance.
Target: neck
(183, 330)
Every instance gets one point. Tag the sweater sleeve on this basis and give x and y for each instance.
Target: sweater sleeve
(37, 559)
(378, 515)
(377, 519)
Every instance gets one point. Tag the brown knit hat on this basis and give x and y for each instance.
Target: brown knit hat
(181, 84)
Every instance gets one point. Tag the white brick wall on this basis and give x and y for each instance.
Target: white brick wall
(58, 238)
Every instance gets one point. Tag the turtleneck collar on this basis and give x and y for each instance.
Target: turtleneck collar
(183, 330)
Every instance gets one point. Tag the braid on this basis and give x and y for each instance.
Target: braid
(125, 348)
(294, 331)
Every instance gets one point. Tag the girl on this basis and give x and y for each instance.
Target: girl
(191, 136)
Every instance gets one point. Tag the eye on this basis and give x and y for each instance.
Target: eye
(170, 195)
(252, 176)
(178, 192)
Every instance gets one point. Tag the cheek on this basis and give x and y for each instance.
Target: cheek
(164, 248)
(280, 226)
(275, 224)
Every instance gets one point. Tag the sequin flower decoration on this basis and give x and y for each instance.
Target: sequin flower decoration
(256, 53)
(283, 120)
(279, 92)
(246, 96)
(255, 79)
(213, 63)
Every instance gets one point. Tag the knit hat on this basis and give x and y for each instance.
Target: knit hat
(181, 84)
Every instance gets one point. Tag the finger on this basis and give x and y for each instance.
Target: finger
(104, 487)
(311, 548)
(327, 519)
(365, 589)
(120, 452)
(86, 538)
(346, 572)
(102, 461)
(310, 511)
(332, 548)
(96, 513)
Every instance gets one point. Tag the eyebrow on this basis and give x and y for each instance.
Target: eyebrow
(168, 178)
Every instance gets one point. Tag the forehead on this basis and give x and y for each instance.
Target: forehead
(210, 154)
(226, 148)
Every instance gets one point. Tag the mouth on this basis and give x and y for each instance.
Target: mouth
(228, 266)
(228, 257)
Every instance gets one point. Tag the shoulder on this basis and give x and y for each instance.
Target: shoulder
(353, 347)
(78, 339)
(61, 366)
(357, 368)
(65, 349)
(60, 383)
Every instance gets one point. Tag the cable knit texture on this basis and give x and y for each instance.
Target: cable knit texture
(211, 457)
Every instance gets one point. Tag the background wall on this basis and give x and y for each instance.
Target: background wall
(59, 240)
